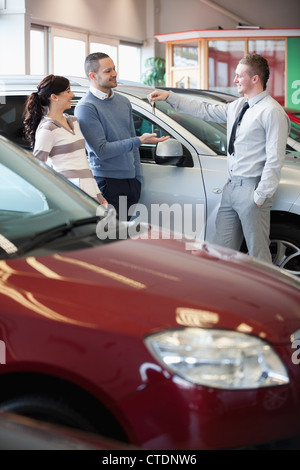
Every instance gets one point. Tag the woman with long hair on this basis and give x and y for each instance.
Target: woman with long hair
(55, 136)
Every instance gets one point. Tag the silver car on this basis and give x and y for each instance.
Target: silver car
(184, 176)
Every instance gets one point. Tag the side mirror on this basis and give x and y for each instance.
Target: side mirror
(169, 152)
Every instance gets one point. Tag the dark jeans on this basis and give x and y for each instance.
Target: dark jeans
(113, 188)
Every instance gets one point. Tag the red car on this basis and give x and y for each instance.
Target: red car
(159, 343)
(294, 116)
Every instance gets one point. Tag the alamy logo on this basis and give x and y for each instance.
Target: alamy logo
(296, 94)
(2, 92)
(176, 220)
(2, 353)
(296, 354)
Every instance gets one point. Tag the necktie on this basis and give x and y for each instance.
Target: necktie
(234, 127)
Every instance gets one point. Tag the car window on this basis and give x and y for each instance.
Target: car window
(214, 134)
(147, 151)
(143, 125)
(211, 134)
(11, 119)
(12, 115)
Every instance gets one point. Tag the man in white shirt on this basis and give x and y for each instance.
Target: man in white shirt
(255, 156)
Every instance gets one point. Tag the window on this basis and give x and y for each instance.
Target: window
(185, 55)
(69, 51)
(185, 69)
(223, 59)
(68, 57)
(147, 151)
(129, 67)
(11, 119)
(142, 125)
(108, 49)
(210, 133)
(38, 50)
(127, 58)
(274, 52)
(70, 48)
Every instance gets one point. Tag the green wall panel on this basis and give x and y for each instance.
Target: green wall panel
(293, 73)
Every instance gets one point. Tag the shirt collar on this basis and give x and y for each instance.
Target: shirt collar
(99, 94)
(258, 98)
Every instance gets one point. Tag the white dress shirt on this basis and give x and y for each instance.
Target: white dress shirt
(261, 137)
(99, 94)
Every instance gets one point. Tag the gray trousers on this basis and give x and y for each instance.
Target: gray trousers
(239, 216)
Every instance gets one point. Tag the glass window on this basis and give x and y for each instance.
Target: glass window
(68, 56)
(129, 67)
(274, 52)
(147, 151)
(38, 51)
(112, 51)
(211, 134)
(187, 78)
(223, 58)
(143, 125)
(185, 55)
(11, 120)
(2, 93)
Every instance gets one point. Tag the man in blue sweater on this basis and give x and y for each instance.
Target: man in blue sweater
(106, 123)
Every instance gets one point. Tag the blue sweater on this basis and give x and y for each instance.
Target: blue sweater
(108, 128)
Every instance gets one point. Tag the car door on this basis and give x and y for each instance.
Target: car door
(173, 196)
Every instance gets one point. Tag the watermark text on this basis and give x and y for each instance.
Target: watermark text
(176, 221)
(296, 354)
(2, 352)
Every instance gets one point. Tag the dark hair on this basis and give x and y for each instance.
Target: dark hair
(91, 63)
(37, 101)
(258, 65)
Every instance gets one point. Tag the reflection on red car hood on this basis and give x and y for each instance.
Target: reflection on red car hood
(130, 286)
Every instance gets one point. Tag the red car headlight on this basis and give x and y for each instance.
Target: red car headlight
(218, 358)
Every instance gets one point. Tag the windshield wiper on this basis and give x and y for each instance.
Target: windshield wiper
(47, 236)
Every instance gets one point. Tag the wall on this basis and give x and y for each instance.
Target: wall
(125, 19)
(14, 36)
(135, 20)
(178, 15)
(140, 19)
(129, 18)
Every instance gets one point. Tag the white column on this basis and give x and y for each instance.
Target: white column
(14, 37)
(150, 47)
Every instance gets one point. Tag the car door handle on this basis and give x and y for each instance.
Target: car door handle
(217, 191)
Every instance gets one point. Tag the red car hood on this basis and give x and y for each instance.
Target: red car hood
(141, 286)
